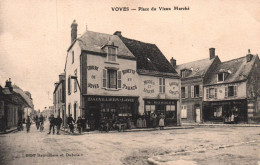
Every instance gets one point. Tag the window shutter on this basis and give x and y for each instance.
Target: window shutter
(163, 85)
(192, 91)
(235, 90)
(186, 92)
(119, 81)
(207, 93)
(216, 92)
(201, 89)
(226, 91)
(104, 78)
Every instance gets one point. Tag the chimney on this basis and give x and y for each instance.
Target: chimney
(61, 77)
(173, 62)
(211, 53)
(249, 56)
(74, 30)
(118, 33)
(8, 84)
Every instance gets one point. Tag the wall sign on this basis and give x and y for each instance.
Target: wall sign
(93, 85)
(174, 89)
(129, 87)
(159, 102)
(128, 71)
(110, 99)
(92, 67)
(149, 86)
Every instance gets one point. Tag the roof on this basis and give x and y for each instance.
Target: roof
(238, 70)
(148, 56)
(198, 68)
(94, 41)
(18, 90)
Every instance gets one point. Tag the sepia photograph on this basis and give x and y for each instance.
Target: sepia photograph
(129, 82)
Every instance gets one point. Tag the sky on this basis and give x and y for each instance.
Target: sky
(35, 34)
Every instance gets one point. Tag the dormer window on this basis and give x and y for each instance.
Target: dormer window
(221, 77)
(111, 54)
(185, 72)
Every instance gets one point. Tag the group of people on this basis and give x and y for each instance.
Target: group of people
(153, 120)
(55, 122)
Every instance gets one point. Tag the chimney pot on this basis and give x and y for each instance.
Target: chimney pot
(211, 53)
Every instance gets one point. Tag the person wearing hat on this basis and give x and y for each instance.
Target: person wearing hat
(52, 124)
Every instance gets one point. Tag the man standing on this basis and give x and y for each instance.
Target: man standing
(52, 123)
(58, 123)
(70, 123)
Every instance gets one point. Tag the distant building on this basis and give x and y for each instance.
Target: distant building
(12, 105)
(119, 77)
(47, 112)
(59, 98)
(232, 91)
(193, 76)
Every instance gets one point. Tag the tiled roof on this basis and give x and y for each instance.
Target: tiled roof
(237, 69)
(198, 68)
(148, 56)
(94, 41)
(18, 90)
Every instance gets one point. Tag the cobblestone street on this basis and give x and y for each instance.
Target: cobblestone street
(205, 145)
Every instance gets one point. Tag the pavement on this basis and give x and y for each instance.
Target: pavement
(200, 145)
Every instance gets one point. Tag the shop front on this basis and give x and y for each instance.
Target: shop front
(161, 106)
(111, 108)
(232, 111)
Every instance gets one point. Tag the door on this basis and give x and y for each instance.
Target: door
(197, 115)
(184, 112)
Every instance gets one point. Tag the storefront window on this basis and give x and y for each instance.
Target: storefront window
(218, 111)
(150, 108)
(170, 111)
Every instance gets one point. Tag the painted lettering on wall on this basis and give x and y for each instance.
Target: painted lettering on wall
(174, 89)
(148, 86)
(92, 67)
(93, 85)
(129, 87)
(128, 71)
(93, 76)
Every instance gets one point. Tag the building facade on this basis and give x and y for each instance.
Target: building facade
(59, 98)
(193, 76)
(231, 94)
(105, 78)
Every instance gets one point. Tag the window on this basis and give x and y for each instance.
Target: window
(211, 93)
(184, 112)
(230, 91)
(69, 85)
(184, 92)
(162, 85)
(72, 57)
(75, 81)
(220, 77)
(75, 111)
(170, 111)
(183, 73)
(69, 109)
(111, 55)
(196, 91)
(60, 95)
(218, 111)
(112, 79)
(150, 108)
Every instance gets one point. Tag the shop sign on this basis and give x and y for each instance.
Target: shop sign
(160, 102)
(148, 86)
(129, 87)
(110, 99)
(93, 85)
(128, 71)
(2, 112)
(92, 67)
(174, 89)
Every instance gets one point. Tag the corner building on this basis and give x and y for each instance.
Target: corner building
(112, 76)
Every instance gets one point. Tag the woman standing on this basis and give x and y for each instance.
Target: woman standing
(161, 122)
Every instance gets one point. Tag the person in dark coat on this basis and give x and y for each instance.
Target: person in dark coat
(52, 124)
(58, 124)
(71, 121)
